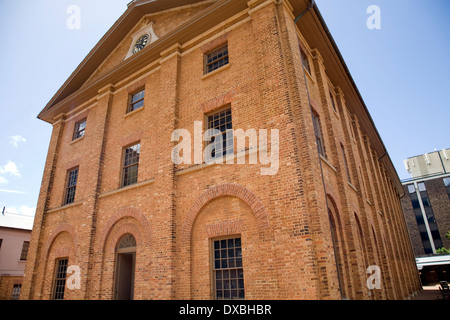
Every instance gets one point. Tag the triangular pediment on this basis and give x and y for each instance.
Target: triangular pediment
(111, 51)
(150, 28)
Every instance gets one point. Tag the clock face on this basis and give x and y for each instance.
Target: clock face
(140, 43)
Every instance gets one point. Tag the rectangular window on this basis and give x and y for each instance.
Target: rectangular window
(447, 185)
(228, 272)
(422, 186)
(59, 281)
(16, 292)
(71, 186)
(347, 169)
(216, 59)
(223, 122)
(305, 61)
(131, 165)
(136, 101)
(333, 104)
(318, 133)
(447, 182)
(80, 129)
(24, 253)
(420, 200)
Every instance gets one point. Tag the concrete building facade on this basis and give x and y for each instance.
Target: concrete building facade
(124, 214)
(426, 206)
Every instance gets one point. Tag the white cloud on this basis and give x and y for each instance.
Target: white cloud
(3, 180)
(11, 191)
(15, 140)
(28, 211)
(10, 168)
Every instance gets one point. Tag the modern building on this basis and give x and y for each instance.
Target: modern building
(427, 211)
(15, 233)
(293, 196)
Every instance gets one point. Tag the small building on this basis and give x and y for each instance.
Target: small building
(426, 206)
(15, 233)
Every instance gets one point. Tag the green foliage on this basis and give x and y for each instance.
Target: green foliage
(443, 250)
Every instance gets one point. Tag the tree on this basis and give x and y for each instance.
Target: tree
(444, 250)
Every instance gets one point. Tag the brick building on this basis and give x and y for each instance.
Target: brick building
(15, 232)
(426, 206)
(136, 223)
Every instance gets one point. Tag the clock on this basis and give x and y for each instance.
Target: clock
(140, 43)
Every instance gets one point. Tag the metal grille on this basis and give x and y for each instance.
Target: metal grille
(16, 292)
(127, 241)
(59, 284)
(221, 121)
(72, 177)
(80, 129)
(305, 61)
(228, 271)
(131, 165)
(318, 132)
(347, 169)
(136, 101)
(216, 59)
(24, 253)
(333, 104)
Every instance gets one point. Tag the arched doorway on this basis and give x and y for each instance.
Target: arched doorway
(125, 268)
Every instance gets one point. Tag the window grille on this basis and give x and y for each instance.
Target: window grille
(71, 186)
(228, 270)
(222, 121)
(131, 165)
(59, 283)
(216, 59)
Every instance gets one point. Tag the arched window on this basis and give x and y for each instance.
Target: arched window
(126, 242)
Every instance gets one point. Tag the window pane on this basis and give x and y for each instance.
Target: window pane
(411, 188)
(60, 279)
(447, 182)
(221, 121)
(421, 186)
(228, 272)
(24, 253)
(216, 59)
(131, 165)
(318, 133)
(332, 101)
(80, 128)
(136, 101)
(16, 292)
(305, 61)
(72, 178)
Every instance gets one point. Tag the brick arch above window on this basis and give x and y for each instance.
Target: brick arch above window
(141, 230)
(232, 190)
(64, 227)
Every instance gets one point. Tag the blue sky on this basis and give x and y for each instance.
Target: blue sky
(401, 70)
